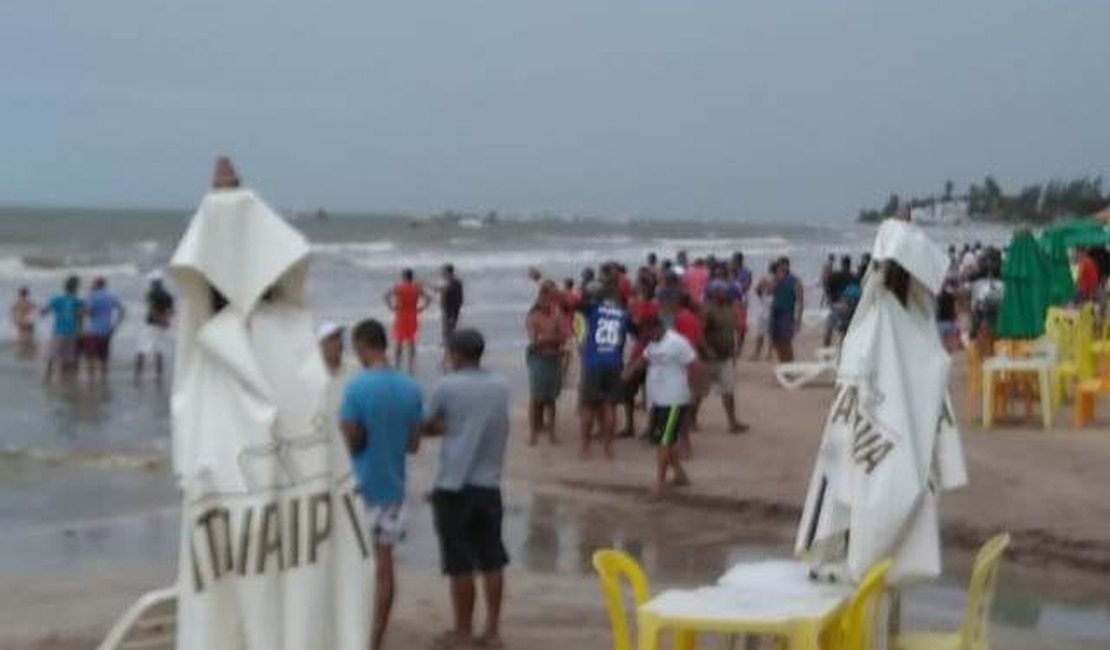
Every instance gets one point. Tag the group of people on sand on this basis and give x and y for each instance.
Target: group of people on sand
(668, 335)
(384, 415)
(83, 327)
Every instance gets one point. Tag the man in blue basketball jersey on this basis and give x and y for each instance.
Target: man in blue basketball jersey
(607, 326)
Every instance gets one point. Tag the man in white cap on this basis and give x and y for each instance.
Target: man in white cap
(154, 339)
(340, 368)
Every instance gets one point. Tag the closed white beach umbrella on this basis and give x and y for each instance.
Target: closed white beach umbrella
(273, 552)
(890, 442)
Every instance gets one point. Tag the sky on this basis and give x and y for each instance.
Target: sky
(775, 109)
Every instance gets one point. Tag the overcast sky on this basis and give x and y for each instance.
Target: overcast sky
(803, 109)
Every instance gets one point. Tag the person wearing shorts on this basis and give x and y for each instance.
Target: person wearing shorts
(67, 310)
(406, 300)
(105, 313)
(380, 419)
(546, 339)
(672, 370)
(154, 338)
(721, 349)
(607, 326)
(469, 407)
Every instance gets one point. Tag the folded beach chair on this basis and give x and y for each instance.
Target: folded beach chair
(794, 375)
(149, 624)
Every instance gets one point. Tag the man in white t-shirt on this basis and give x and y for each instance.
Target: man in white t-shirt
(672, 370)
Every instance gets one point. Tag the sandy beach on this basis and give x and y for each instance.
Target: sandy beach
(1044, 487)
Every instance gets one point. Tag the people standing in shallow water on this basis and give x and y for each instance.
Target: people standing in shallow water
(67, 309)
(23, 313)
(406, 299)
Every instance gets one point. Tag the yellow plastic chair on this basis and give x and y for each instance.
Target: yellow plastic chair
(855, 629)
(613, 568)
(974, 634)
(1074, 334)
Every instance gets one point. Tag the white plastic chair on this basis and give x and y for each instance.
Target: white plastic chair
(149, 624)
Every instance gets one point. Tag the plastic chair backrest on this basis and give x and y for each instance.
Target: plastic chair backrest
(1061, 328)
(975, 631)
(859, 621)
(1084, 340)
(612, 568)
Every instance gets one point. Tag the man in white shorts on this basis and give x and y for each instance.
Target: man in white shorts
(154, 338)
(380, 418)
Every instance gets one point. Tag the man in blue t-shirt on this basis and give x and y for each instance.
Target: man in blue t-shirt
(380, 416)
(105, 313)
(607, 328)
(67, 310)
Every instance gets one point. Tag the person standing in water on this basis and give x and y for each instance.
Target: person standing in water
(154, 342)
(450, 301)
(407, 299)
(23, 314)
(68, 310)
(106, 313)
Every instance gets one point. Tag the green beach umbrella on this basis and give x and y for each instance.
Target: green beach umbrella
(1078, 232)
(1026, 275)
(1061, 283)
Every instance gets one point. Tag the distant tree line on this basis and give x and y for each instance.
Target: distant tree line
(1038, 203)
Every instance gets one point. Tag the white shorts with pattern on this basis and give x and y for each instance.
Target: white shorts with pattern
(387, 523)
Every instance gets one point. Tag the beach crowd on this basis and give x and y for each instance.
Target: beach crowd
(646, 348)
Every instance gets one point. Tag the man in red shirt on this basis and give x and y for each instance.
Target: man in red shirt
(406, 300)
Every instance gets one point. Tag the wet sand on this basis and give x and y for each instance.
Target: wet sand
(70, 575)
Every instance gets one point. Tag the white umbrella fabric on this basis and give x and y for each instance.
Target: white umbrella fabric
(890, 442)
(274, 551)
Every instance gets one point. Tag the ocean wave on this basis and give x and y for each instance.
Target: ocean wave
(483, 260)
(355, 248)
(20, 268)
(724, 244)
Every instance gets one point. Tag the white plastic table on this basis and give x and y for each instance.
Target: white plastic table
(774, 598)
